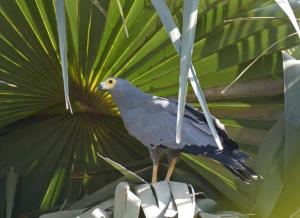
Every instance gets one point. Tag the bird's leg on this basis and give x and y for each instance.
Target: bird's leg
(154, 172)
(171, 168)
(155, 155)
(172, 158)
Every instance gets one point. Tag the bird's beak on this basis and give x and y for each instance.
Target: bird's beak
(101, 86)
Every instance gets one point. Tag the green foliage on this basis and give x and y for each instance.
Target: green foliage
(54, 152)
(127, 173)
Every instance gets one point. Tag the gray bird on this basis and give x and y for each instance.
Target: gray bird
(152, 120)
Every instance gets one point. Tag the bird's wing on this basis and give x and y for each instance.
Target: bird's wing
(154, 124)
(152, 127)
(196, 116)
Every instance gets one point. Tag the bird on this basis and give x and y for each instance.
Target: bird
(152, 121)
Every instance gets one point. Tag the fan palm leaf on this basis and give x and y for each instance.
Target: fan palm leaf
(54, 152)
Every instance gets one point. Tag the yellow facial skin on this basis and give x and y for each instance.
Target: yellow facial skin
(109, 83)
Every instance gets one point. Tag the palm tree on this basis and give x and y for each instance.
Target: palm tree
(54, 152)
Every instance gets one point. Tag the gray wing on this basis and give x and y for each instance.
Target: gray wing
(154, 124)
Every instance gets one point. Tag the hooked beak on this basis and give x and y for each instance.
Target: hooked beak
(101, 86)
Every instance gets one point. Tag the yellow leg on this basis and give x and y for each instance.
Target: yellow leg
(154, 173)
(171, 168)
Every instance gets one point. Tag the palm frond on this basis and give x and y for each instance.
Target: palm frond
(55, 152)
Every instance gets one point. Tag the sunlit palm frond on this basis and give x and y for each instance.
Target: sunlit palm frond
(54, 152)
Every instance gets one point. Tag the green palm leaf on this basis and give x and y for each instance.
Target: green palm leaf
(55, 152)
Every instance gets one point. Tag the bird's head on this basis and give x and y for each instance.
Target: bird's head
(108, 84)
(115, 85)
(123, 92)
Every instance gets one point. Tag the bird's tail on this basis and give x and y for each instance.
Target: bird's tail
(230, 157)
(235, 162)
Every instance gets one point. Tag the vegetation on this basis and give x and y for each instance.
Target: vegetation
(54, 152)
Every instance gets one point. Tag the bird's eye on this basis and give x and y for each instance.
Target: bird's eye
(110, 81)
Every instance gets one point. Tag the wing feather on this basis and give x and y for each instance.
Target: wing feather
(154, 124)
